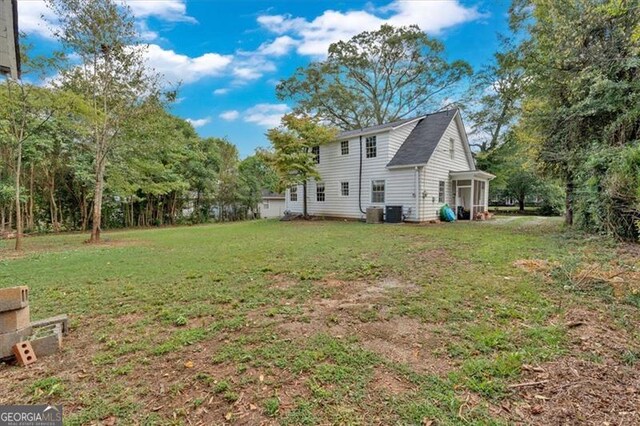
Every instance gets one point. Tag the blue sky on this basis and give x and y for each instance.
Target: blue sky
(229, 54)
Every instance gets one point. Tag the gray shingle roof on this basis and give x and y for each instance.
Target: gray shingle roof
(351, 133)
(266, 194)
(423, 139)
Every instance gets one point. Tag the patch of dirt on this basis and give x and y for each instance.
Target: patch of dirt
(573, 391)
(180, 385)
(535, 265)
(282, 281)
(437, 255)
(591, 386)
(363, 309)
(386, 382)
(406, 341)
(591, 332)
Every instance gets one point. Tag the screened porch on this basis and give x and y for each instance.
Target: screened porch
(470, 194)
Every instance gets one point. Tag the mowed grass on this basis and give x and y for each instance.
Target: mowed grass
(187, 325)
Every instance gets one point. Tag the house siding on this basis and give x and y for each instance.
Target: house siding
(275, 208)
(438, 168)
(335, 168)
(400, 183)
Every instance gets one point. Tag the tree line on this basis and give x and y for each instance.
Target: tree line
(562, 117)
(555, 115)
(97, 147)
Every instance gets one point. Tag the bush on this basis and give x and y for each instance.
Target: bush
(552, 201)
(609, 201)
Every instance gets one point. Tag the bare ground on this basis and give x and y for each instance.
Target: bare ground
(592, 385)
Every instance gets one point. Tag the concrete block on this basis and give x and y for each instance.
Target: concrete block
(24, 353)
(13, 298)
(47, 340)
(14, 320)
(7, 340)
(63, 320)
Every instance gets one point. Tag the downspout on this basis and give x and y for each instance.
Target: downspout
(417, 193)
(360, 181)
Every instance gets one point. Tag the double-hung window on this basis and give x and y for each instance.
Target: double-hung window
(344, 148)
(377, 191)
(293, 193)
(371, 148)
(320, 194)
(441, 191)
(315, 151)
(344, 189)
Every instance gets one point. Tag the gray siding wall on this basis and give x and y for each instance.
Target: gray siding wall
(438, 168)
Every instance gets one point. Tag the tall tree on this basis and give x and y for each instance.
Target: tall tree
(256, 176)
(581, 107)
(25, 109)
(228, 183)
(498, 87)
(111, 75)
(375, 77)
(292, 156)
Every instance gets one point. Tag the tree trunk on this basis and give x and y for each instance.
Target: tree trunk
(304, 199)
(30, 222)
(521, 204)
(18, 211)
(568, 218)
(53, 207)
(97, 202)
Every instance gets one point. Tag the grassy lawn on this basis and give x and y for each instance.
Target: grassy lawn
(512, 320)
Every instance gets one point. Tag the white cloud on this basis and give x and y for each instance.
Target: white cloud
(221, 91)
(146, 34)
(278, 47)
(166, 10)
(181, 68)
(199, 122)
(313, 37)
(230, 115)
(34, 17)
(30, 14)
(267, 115)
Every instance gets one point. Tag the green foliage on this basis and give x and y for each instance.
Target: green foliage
(581, 109)
(292, 157)
(375, 77)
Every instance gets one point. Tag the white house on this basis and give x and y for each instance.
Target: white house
(419, 164)
(272, 206)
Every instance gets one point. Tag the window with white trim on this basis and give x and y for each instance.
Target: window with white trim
(315, 151)
(293, 193)
(265, 204)
(344, 189)
(320, 194)
(452, 148)
(371, 147)
(377, 191)
(441, 191)
(344, 148)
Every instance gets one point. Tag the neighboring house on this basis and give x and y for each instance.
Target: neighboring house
(272, 205)
(419, 164)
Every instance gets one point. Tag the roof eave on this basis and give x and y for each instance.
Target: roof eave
(404, 166)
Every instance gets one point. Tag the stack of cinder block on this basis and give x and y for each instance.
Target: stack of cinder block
(43, 337)
(15, 322)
